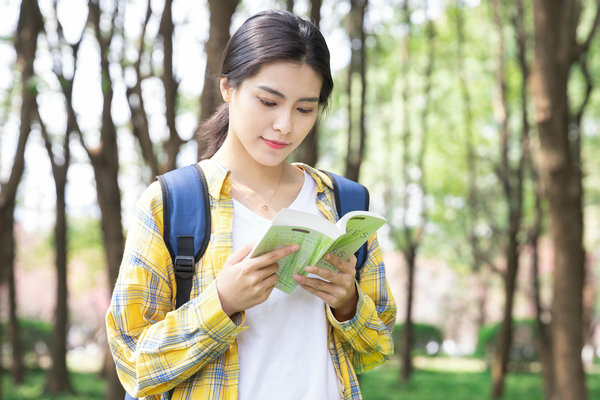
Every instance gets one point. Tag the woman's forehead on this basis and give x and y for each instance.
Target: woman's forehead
(289, 79)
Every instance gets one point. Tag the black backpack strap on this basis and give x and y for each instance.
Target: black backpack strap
(184, 269)
(186, 216)
(350, 196)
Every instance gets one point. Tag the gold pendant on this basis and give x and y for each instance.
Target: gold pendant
(264, 207)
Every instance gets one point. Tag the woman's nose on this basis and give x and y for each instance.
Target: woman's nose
(283, 122)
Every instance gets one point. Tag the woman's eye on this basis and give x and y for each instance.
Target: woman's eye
(266, 102)
(305, 110)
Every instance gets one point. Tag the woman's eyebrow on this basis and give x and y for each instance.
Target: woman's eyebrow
(279, 94)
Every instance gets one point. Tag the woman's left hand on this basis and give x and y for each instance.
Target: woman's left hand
(338, 289)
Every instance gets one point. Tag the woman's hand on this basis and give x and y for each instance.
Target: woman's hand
(242, 284)
(338, 289)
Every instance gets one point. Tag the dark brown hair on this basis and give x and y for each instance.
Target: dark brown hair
(264, 38)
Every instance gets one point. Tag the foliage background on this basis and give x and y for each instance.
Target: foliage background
(444, 293)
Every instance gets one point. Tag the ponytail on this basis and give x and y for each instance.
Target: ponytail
(213, 131)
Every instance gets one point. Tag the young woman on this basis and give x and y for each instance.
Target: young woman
(237, 337)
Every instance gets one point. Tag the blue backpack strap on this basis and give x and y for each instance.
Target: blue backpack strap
(350, 196)
(186, 226)
(186, 216)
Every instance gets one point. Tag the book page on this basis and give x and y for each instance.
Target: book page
(313, 245)
(301, 219)
(360, 227)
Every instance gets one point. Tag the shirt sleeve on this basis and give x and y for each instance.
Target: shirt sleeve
(154, 347)
(366, 338)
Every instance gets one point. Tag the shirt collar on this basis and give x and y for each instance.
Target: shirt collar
(320, 177)
(216, 178)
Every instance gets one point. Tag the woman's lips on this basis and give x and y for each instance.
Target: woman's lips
(274, 144)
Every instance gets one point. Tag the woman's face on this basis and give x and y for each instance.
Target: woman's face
(271, 112)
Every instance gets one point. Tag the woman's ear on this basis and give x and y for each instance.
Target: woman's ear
(225, 89)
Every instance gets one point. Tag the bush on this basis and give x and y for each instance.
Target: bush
(35, 338)
(427, 339)
(523, 350)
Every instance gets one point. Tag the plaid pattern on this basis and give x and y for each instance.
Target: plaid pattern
(193, 349)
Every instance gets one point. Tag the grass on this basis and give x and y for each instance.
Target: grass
(438, 379)
(383, 383)
(87, 386)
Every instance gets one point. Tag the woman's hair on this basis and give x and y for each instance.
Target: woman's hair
(266, 37)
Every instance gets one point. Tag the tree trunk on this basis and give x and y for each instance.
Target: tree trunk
(17, 368)
(407, 366)
(534, 232)
(7, 249)
(308, 151)
(114, 389)
(356, 33)
(512, 183)
(1, 352)
(555, 51)
(473, 201)
(543, 340)
(221, 12)
(289, 5)
(414, 235)
(503, 345)
(30, 24)
(105, 163)
(315, 12)
(405, 242)
(409, 237)
(58, 378)
(109, 200)
(564, 191)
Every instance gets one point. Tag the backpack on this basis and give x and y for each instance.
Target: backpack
(187, 221)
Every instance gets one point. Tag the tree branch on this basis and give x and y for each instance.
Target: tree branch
(66, 85)
(139, 118)
(588, 89)
(170, 84)
(576, 147)
(581, 48)
(46, 137)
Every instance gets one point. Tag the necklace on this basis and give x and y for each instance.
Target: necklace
(264, 206)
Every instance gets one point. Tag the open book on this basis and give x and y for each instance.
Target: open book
(316, 237)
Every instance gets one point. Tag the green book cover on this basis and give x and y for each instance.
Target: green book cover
(316, 237)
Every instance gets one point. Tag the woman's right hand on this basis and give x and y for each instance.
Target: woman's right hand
(244, 283)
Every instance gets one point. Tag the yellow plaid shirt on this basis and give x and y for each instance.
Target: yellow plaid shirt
(193, 349)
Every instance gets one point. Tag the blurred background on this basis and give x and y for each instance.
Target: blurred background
(474, 123)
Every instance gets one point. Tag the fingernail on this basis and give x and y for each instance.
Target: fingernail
(295, 247)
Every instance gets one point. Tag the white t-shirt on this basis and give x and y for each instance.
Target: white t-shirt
(284, 352)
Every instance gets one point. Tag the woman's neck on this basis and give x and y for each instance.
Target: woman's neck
(262, 188)
(247, 172)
